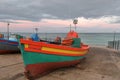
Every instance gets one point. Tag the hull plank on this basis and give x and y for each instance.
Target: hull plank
(8, 47)
(34, 58)
(8, 51)
(37, 70)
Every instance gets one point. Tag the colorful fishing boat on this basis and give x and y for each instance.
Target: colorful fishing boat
(41, 57)
(8, 45)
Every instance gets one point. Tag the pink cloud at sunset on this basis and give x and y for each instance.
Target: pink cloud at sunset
(84, 23)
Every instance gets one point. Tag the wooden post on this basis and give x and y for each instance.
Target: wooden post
(114, 40)
(8, 30)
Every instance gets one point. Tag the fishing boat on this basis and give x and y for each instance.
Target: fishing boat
(41, 57)
(9, 44)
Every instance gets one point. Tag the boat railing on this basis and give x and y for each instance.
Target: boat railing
(114, 45)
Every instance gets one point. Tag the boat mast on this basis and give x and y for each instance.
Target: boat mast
(8, 30)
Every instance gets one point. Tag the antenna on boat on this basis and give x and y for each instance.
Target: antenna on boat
(70, 27)
(8, 29)
(75, 21)
(36, 30)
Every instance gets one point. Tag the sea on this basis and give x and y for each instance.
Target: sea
(92, 39)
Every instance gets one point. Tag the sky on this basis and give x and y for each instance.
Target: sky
(94, 16)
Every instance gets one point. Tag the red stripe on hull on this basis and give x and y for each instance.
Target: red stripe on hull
(43, 44)
(8, 51)
(36, 70)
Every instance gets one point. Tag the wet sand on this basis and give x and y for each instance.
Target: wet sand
(100, 64)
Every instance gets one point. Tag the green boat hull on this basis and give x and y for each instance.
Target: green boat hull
(34, 58)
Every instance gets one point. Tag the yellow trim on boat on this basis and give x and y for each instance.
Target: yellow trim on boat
(63, 51)
(26, 45)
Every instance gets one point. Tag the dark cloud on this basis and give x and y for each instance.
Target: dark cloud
(36, 10)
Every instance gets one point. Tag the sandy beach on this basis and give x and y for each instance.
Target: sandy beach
(100, 64)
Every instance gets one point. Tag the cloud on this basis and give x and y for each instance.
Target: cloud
(57, 9)
(112, 19)
(55, 15)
